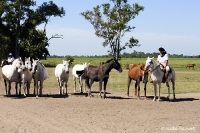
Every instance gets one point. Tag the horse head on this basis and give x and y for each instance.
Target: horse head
(66, 65)
(18, 64)
(149, 63)
(117, 65)
(28, 64)
(34, 67)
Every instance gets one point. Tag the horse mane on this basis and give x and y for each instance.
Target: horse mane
(108, 61)
(41, 64)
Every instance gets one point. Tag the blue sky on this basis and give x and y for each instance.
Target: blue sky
(172, 24)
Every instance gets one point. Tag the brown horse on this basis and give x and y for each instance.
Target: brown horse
(100, 74)
(190, 65)
(136, 72)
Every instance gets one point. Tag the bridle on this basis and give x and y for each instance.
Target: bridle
(151, 63)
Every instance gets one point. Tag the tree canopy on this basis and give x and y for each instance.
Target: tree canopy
(110, 22)
(18, 27)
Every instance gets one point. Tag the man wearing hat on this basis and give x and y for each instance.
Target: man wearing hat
(163, 62)
(10, 58)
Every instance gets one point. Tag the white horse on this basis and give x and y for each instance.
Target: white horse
(157, 76)
(39, 75)
(11, 73)
(62, 75)
(77, 72)
(26, 76)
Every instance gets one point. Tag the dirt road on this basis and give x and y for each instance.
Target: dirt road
(116, 114)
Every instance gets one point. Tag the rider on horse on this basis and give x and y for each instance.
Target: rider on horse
(163, 62)
(10, 58)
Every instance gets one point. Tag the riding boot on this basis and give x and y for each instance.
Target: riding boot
(165, 76)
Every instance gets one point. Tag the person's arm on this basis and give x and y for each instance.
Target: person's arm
(158, 60)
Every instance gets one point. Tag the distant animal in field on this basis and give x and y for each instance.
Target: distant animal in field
(100, 74)
(77, 73)
(136, 72)
(157, 77)
(26, 76)
(190, 65)
(11, 73)
(62, 75)
(39, 75)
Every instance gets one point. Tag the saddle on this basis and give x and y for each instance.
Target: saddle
(166, 73)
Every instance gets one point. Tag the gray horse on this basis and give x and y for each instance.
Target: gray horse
(100, 74)
(157, 76)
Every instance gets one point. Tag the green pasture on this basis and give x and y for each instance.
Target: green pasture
(179, 64)
(187, 81)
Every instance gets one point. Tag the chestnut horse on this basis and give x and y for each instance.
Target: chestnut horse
(136, 72)
(190, 65)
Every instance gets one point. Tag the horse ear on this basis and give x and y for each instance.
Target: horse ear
(33, 60)
(152, 57)
(148, 57)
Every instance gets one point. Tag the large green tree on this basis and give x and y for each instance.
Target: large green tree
(110, 22)
(20, 19)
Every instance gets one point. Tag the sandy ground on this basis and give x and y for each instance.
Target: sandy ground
(80, 114)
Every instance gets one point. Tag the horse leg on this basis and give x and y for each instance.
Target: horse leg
(173, 86)
(74, 78)
(61, 87)
(135, 87)
(138, 86)
(168, 87)
(6, 89)
(24, 88)
(16, 88)
(66, 88)
(155, 91)
(87, 84)
(41, 87)
(28, 88)
(90, 85)
(36, 87)
(159, 86)
(100, 86)
(34, 91)
(80, 84)
(145, 90)
(128, 85)
(105, 83)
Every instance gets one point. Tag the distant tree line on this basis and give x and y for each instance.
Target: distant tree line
(134, 54)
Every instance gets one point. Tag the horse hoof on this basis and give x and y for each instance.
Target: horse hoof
(154, 99)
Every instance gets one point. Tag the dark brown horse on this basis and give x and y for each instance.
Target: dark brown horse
(100, 74)
(136, 72)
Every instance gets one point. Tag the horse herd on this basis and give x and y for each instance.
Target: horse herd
(22, 73)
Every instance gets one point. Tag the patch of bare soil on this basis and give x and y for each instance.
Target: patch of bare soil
(80, 114)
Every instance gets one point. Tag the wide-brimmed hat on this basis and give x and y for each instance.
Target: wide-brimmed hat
(10, 53)
(161, 49)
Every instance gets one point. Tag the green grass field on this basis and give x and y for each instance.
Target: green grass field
(187, 81)
(179, 64)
